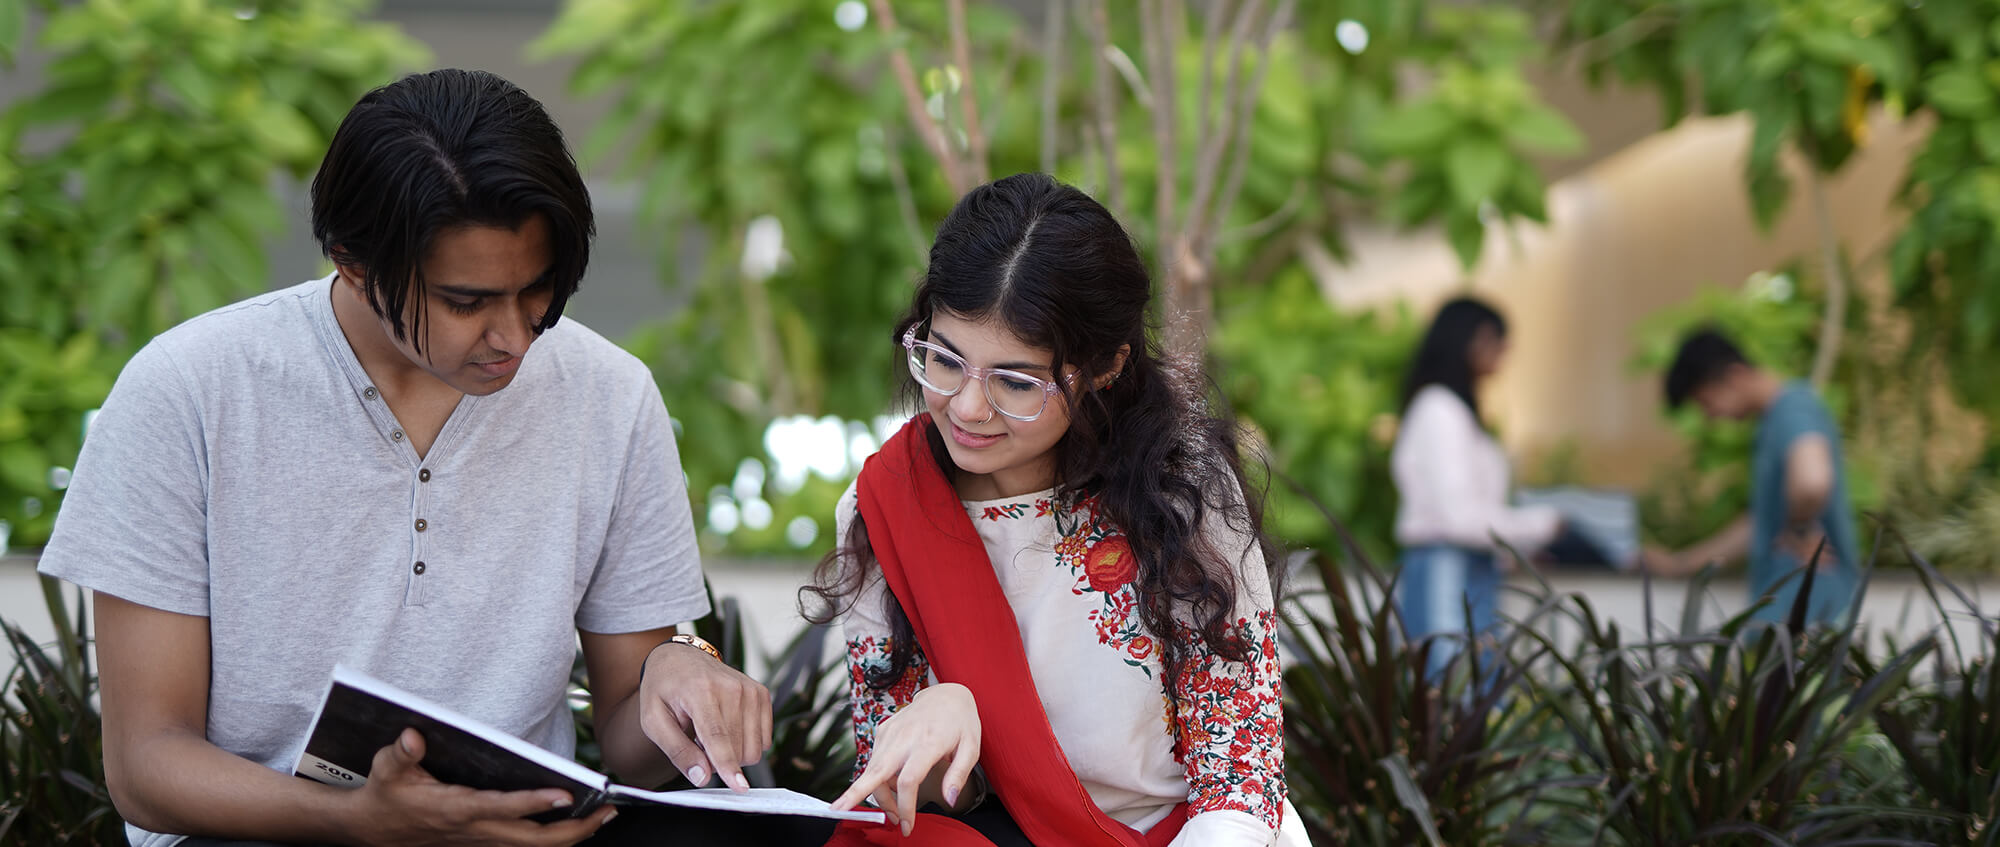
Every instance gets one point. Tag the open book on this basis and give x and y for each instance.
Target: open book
(1601, 527)
(362, 714)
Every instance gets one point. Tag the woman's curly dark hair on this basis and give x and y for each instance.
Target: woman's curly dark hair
(1057, 270)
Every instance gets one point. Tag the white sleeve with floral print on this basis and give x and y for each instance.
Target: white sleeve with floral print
(1231, 715)
(869, 645)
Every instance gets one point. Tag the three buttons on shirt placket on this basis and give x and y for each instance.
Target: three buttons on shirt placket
(421, 525)
(423, 475)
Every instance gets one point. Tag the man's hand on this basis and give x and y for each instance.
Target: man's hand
(1804, 544)
(708, 717)
(1668, 564)
(403, 804)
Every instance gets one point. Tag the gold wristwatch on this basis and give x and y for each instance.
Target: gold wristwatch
(698, 643)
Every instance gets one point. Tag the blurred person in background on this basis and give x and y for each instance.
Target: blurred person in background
(1799, 512)
(1453, 481)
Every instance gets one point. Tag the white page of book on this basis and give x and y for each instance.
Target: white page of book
(774, 801)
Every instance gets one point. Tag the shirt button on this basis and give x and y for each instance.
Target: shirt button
(370, 392)
(396, 435)
(422, 525)
(418, 569)
(424, 475)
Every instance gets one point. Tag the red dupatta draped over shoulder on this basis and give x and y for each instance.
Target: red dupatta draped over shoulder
(936, 565)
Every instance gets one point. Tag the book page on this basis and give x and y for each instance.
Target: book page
(758, 801)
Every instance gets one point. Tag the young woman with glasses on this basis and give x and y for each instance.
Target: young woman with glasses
(1057, 601)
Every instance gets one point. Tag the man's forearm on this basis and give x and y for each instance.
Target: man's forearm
(1727, 545)
(1804, 507)
(628, 753)
(182, 784)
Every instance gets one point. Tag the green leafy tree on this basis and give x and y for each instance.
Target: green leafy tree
(1232, 138)
(143, 196)
(1806, 71)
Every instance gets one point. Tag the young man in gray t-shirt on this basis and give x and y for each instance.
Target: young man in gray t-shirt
(411, 467)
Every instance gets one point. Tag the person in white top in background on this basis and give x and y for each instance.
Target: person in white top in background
(1453, 479)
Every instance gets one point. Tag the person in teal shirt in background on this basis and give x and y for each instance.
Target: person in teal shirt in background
(1798, 484)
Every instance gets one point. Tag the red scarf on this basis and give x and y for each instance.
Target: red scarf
(947, 587)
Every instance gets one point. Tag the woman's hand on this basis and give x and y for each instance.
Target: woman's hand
(939, 726)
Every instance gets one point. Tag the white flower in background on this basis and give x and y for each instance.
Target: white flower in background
(764, 248)
(850, 16)
(1352, 35)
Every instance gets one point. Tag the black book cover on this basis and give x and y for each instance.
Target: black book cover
(361, 715)
(357, 720)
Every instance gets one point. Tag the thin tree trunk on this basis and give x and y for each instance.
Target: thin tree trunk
(968, 94)
(1052, 62)
(1833, 322)
(913, 101)
(1104, 107)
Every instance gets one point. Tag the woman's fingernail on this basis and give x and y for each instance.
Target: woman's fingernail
(697, 776)
(741, 782)
(561, 803)
(951, 796)
(609, 815)
(906, 829)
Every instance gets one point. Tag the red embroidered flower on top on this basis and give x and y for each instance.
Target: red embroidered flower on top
(1141, 647)
(1110, 564)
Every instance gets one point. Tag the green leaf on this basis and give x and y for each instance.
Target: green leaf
(1413, 129)
(1411, 797)
(1843, 49)
(1544, 130)
(23, 467)
(13, 21)
(1770, 59)
(1960, 91)
(13, 422)
(82, 99)
(192, 84)
(284, 132)
(1477, 167)
(1467, 234)
(1986, 134)
(1419, 200)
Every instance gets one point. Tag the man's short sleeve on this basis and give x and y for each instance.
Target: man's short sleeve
(134, 520)
(649, 575)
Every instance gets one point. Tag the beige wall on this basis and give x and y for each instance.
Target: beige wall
(1635, 232)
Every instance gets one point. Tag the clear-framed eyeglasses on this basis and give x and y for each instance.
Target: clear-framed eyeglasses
(1020, 396)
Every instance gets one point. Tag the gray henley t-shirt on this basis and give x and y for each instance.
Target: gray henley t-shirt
(244, 469)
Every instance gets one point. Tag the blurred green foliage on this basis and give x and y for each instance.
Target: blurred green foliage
(135, 190)
(1321, 389)
(737, 115)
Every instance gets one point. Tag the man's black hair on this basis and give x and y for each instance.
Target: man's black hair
(1706, 355)
(437, 151)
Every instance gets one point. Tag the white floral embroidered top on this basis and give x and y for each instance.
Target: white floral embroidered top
(1068, 576)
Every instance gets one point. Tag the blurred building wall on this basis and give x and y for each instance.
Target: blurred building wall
(1635, 232)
